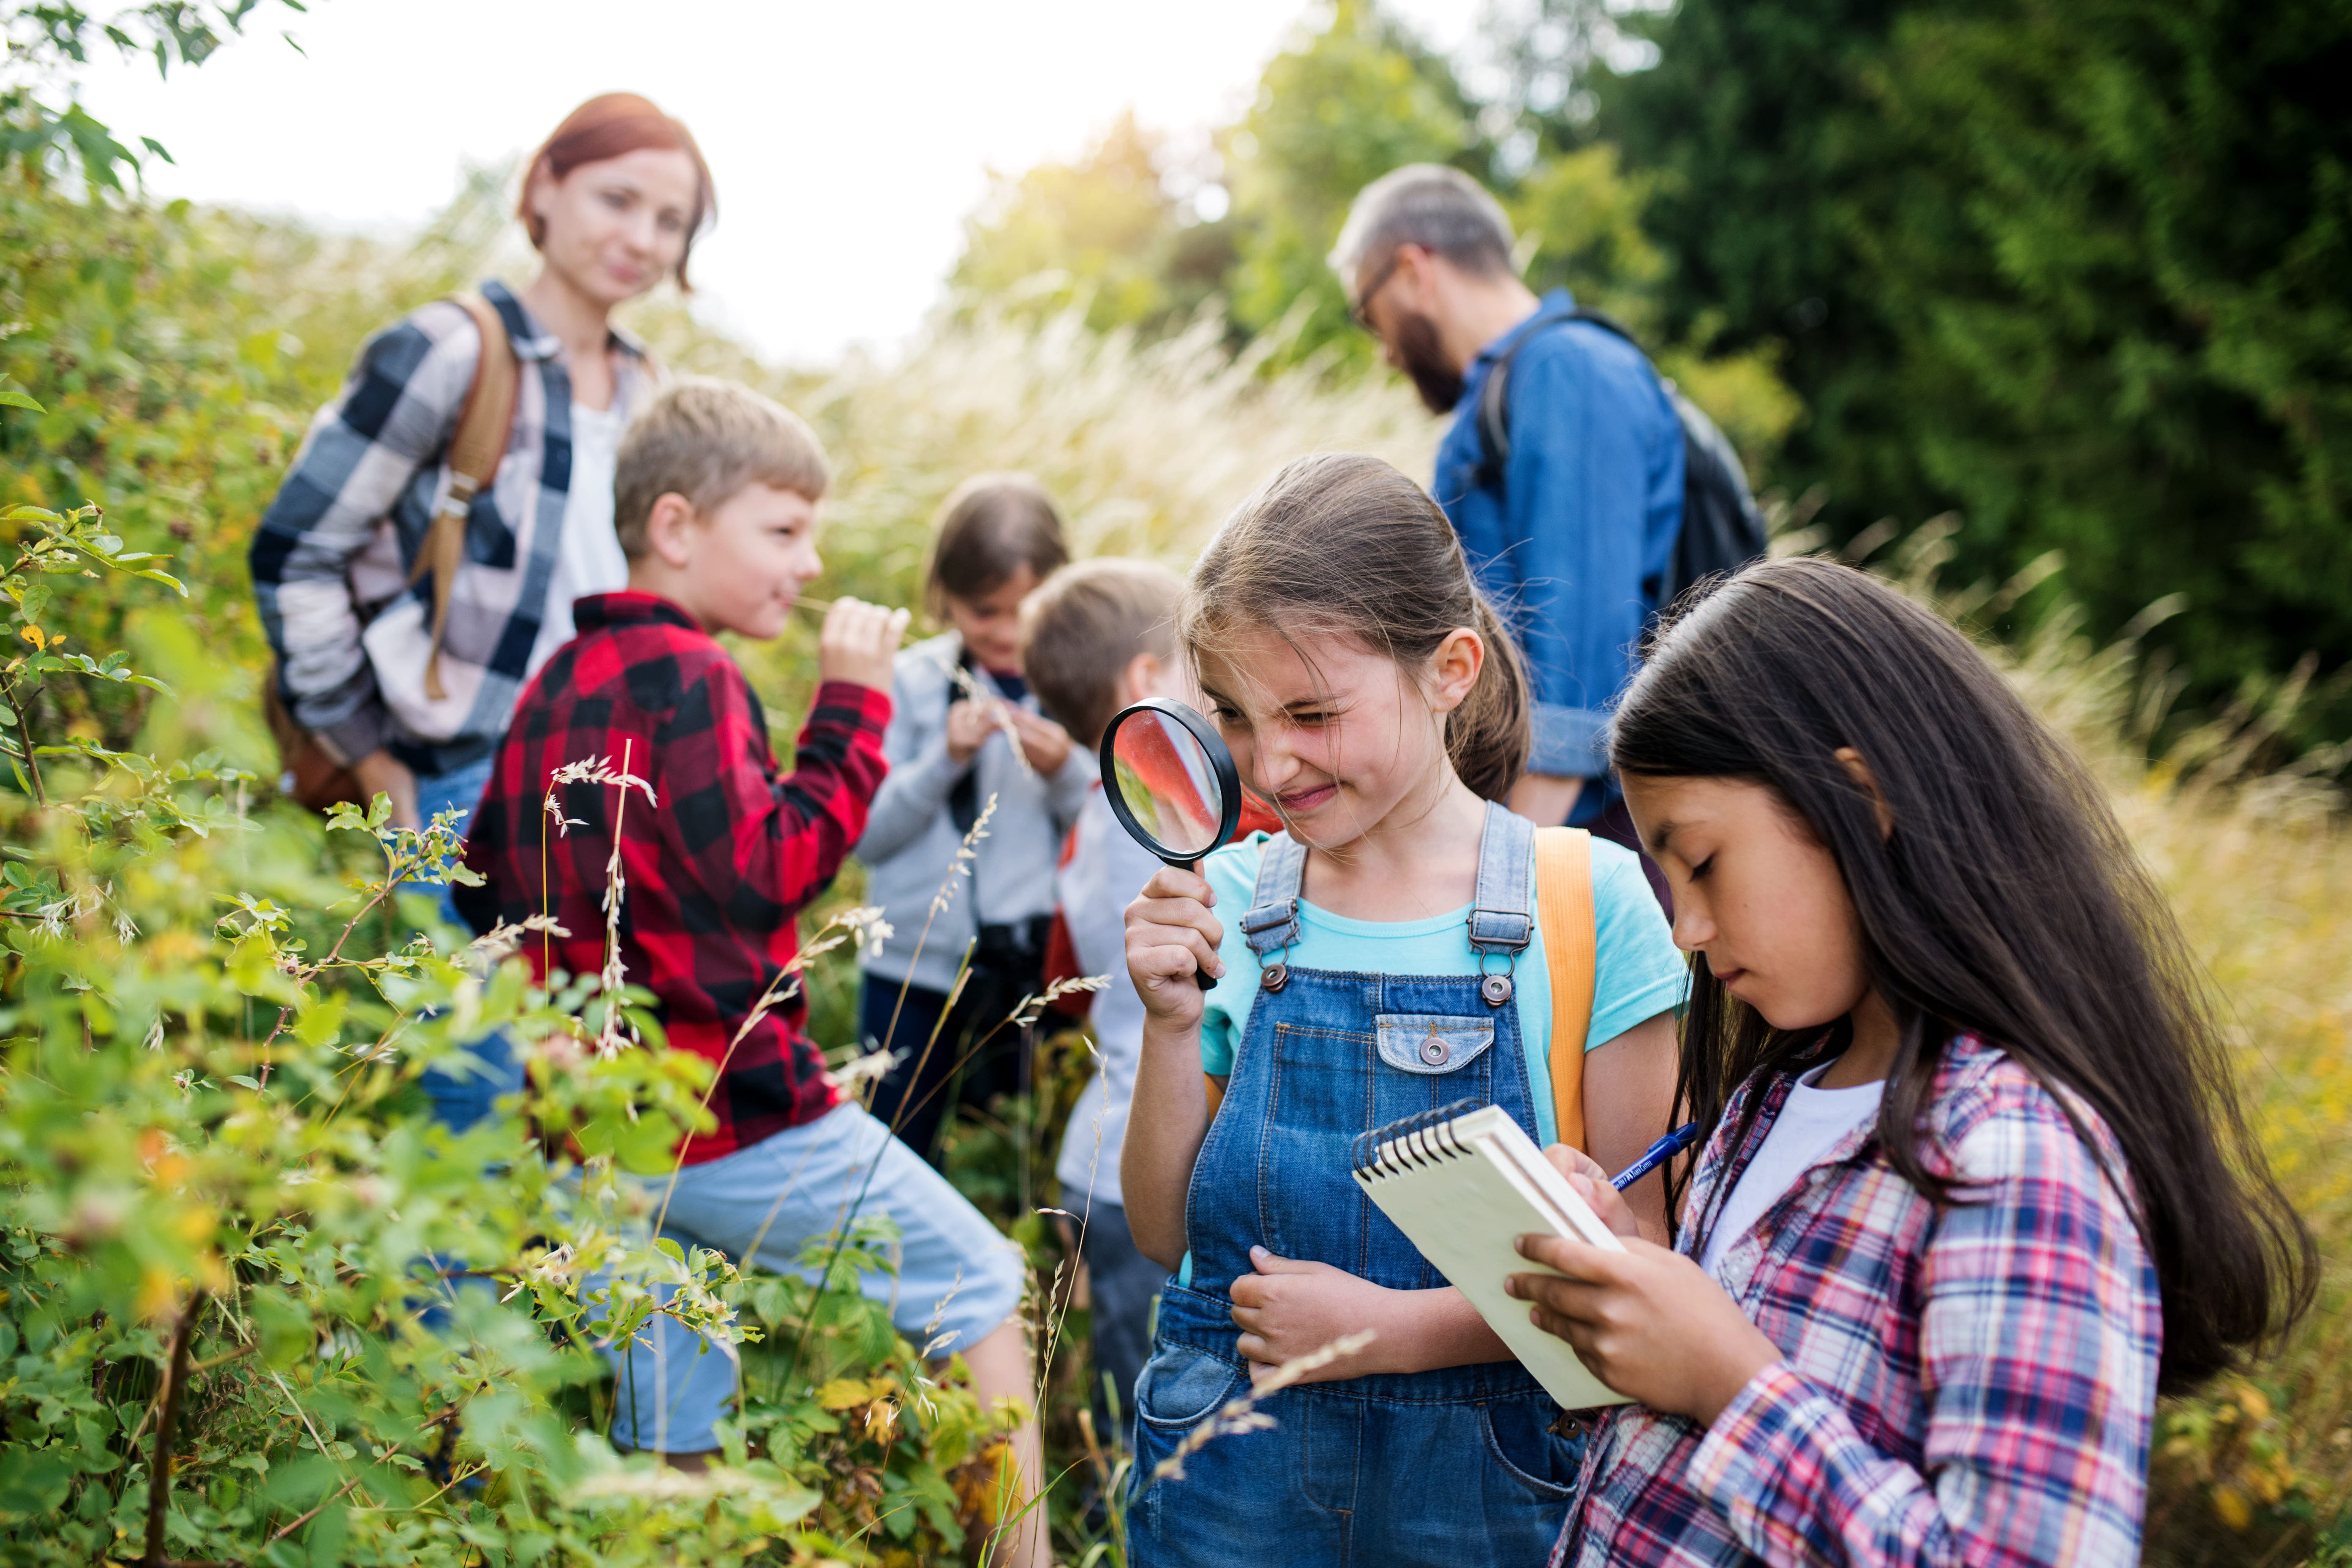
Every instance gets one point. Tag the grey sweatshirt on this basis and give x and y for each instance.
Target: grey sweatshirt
(911, 841)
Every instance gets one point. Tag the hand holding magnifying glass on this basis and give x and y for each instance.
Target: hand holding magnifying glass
(1172, 783)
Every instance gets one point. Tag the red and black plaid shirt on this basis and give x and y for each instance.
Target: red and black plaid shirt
(717, 868)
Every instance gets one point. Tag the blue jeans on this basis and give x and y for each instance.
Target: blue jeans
(1457, 1466)
(958, 1278)
(463, 1096)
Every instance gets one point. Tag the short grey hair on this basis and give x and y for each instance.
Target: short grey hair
(1426, 205)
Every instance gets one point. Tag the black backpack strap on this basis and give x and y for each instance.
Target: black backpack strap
(1495, 395)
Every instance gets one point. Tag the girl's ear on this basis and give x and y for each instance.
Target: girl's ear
(666, 529)
(1454, 669)
(1858, 770)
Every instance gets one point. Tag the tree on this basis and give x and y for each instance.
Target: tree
(2077, 272)
(1105, 231)
(1345, 105)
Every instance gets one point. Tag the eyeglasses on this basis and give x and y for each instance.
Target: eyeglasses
(1360, 311)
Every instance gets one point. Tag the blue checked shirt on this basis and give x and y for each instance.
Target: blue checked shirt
(1573, 545)
(331, 558)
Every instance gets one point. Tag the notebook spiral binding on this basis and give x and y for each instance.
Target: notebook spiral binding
(1415, 1141)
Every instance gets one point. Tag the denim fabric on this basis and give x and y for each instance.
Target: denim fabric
(1456, 1467)
(463, 1096)
(1574, 542)
(958, 1278)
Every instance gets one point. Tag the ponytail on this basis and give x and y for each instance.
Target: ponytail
(1489, 735)
(1346, 545)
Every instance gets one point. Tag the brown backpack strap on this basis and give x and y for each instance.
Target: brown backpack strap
(485, 424)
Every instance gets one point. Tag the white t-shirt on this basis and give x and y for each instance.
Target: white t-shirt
(589, 560)
(1811, 1122)
(1104, 871)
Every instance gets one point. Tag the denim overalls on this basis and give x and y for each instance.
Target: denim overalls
(1457, 1466)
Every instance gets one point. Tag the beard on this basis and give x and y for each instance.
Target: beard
(1421, 358)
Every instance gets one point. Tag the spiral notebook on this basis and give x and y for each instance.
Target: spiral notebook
(1463, 1183)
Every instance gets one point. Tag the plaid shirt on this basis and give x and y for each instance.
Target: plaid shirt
(718, 865)
(1975, 1386)
(331, 558)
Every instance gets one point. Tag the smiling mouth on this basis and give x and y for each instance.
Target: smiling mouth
(1306, 799)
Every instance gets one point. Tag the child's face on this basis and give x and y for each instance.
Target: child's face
(1340, 745)
(990, 625)
(747, 559)
(1756, 893)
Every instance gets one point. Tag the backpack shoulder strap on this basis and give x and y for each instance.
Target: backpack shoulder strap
(1494, 393)
(485, 425)
(1564, 912)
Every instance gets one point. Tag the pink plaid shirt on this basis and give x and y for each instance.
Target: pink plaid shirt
(1974, 1385)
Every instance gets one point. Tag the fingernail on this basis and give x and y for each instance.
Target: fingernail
(1258, 1252)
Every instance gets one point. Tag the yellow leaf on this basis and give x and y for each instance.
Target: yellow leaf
(843, 1394)
(2232, 1505)
(33, 635)
(2257, 1404)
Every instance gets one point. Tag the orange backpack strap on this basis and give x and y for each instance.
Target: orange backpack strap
(485, 424)
(1565, 915)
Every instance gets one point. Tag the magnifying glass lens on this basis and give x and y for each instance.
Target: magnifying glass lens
(1169, 783)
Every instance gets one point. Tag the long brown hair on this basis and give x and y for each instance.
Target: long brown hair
(1346, 546)
(608, 126)
(2007, 903)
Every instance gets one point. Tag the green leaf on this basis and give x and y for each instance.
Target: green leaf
(32, 1482)
(18, 400)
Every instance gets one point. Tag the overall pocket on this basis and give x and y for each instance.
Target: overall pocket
(1182, 1385)
(1520, 1440)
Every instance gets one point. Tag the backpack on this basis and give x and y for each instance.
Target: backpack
(477, 446)
(1722, 530)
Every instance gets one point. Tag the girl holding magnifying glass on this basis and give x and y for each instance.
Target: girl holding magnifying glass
(1365, 687)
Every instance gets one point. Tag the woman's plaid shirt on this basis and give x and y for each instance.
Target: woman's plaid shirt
(1969, 1385)
(718, 864)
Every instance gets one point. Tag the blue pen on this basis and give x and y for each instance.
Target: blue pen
(1657, 1154)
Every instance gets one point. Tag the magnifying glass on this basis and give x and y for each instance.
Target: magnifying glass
(1170, 782)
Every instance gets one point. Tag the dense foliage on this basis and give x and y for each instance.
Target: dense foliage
(2081, 271)
(223, 1213)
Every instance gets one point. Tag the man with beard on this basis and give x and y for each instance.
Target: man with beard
(1572, 531)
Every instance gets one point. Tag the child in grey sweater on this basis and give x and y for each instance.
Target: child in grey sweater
(964, 730)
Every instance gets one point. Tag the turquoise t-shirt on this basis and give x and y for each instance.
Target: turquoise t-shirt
(1638, 973)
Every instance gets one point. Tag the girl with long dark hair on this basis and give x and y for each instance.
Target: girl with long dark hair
(1976, 1188)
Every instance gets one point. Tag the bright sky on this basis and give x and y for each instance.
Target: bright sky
(847, 142)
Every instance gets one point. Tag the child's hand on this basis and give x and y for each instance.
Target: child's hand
(970, 724)
(1171, 938)
(1591, 1180)
(1045, 743)
(1290, 1309)
(1648, 1323)
(859, 642)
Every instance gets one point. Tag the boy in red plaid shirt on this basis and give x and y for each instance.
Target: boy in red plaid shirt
(715, 503)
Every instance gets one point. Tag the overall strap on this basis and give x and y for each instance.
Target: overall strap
(1564, 907)
(1272, 923)
(1499, 918)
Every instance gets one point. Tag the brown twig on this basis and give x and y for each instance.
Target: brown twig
(296, 1524)
(159, 1475)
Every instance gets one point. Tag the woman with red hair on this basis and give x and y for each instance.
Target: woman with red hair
(612, 202)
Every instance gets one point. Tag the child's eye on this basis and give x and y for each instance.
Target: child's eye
(1700, 869)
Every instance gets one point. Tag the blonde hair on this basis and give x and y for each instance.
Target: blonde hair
(704, 440)
(1084, 625)
(1346, 546)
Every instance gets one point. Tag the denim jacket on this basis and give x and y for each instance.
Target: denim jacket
(1574, 544)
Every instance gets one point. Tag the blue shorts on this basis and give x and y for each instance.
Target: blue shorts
(958, 1276)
